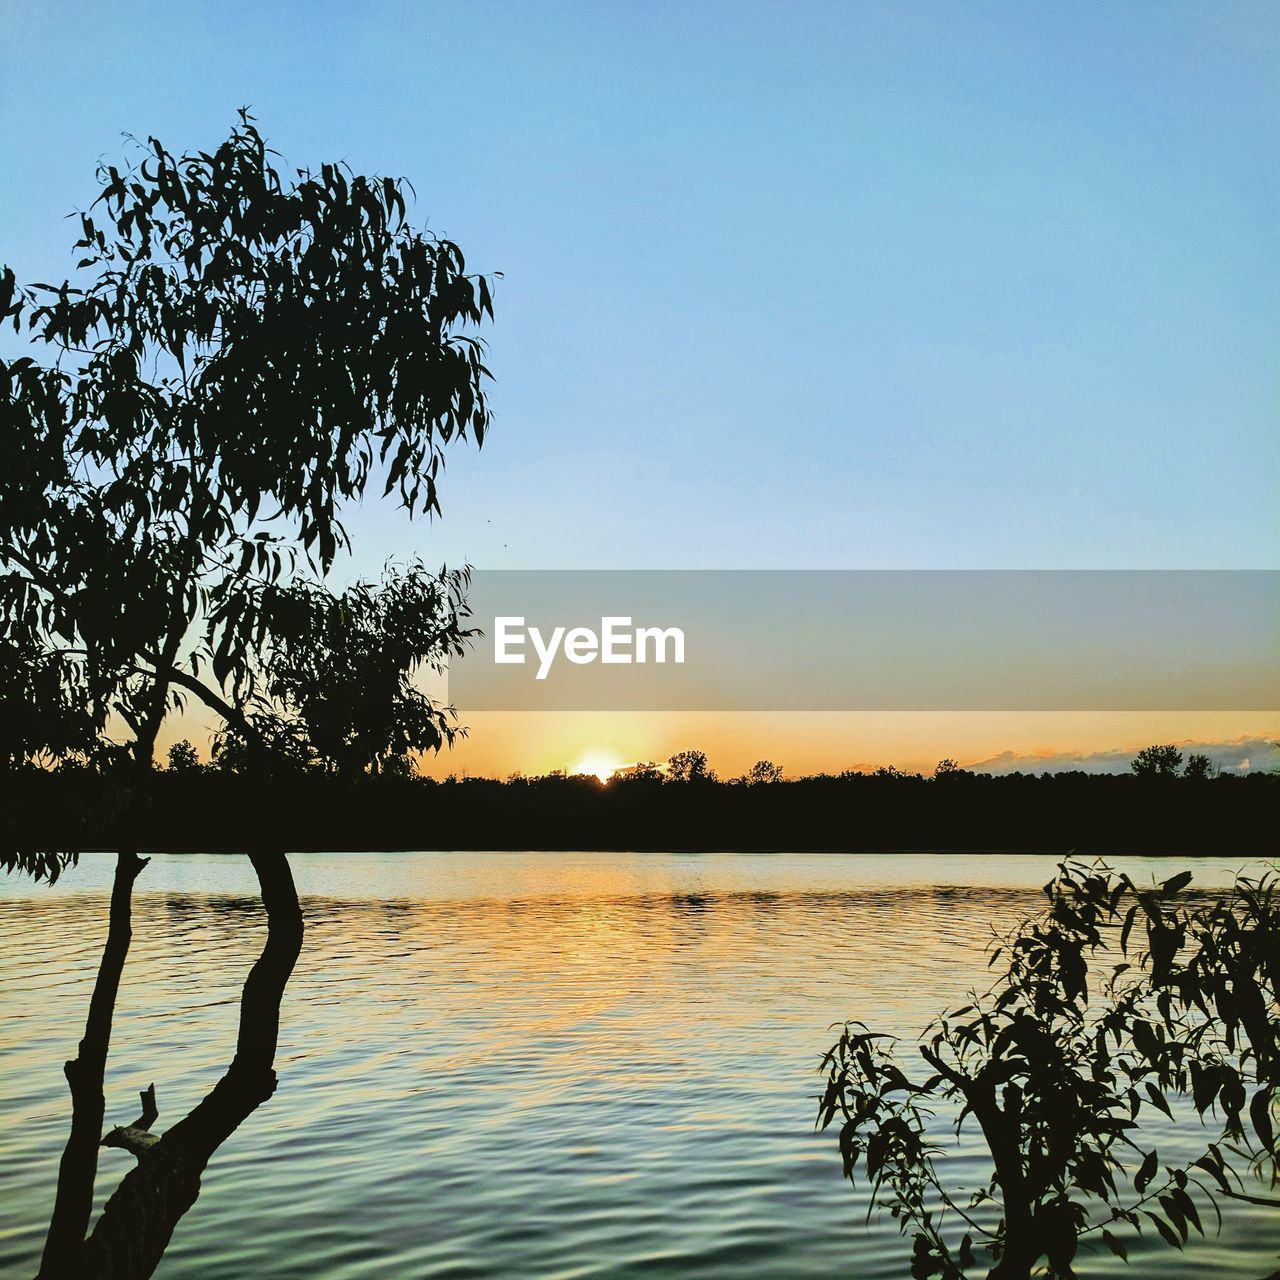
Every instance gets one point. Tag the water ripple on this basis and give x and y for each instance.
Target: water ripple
(554, 1066)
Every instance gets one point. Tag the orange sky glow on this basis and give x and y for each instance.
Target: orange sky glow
(533, 743)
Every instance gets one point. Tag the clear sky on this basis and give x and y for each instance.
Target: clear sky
(802, 284)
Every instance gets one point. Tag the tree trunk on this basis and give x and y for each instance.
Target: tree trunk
(1001, 1132)
(1021, 1247)
(73, 1200)
(131, 1236)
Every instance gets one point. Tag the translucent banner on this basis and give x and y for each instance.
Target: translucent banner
(834, 640)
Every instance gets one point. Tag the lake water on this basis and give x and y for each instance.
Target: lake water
(534, 1065)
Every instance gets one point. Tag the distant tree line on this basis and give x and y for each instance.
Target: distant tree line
(288, 795)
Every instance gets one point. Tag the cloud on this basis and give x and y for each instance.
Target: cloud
(1237, 755)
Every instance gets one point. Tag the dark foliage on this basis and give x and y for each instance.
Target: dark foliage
(1115, 1003)
(212, 808)
(239, 354)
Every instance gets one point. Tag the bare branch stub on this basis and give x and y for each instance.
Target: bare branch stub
(137, 1137)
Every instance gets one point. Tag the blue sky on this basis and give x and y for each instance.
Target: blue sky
(813, 285)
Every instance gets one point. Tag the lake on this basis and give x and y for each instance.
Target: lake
(543, 1065)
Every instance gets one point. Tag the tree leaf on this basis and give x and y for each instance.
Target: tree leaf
(1147, 1170)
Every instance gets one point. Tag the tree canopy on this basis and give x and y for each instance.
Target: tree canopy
(1158, 761)
(240, 353)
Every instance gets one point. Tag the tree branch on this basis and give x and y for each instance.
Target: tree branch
(232, 715)
(137, 1137)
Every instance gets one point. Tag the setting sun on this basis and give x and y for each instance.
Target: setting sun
(599, 765)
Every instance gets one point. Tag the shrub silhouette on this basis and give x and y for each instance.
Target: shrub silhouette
(1114, 1002)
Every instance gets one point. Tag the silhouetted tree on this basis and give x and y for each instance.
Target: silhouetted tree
(1157, 762)
(763, 772)
(240, 354)
(1057, 1065)
(689, 766)
(182, 757)
(1198, 766)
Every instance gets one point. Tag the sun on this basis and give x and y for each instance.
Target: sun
(599, 765)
